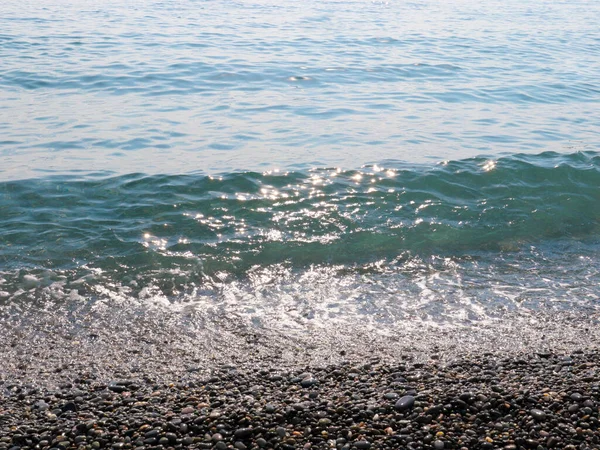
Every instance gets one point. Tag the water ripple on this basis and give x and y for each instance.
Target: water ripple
(402, 81)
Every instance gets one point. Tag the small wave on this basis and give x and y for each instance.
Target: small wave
(468, 239)
(322, 216)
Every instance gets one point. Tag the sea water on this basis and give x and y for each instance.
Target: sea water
(382, 165)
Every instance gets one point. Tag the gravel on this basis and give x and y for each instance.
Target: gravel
(527, 401)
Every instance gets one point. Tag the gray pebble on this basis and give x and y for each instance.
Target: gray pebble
(405, 403)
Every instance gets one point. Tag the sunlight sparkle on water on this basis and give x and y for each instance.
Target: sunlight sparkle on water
(489, 166)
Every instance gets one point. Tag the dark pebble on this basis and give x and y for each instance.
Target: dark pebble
(117, 388)
(405, 403)
(243, 433)
(308, 382)
(538, 414)
(573, 408)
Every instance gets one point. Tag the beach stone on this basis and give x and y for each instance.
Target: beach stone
(362, 445)
(435, 410)
(308, 382)
(69, 407)
(573, 408)
(538, 414)
(243, 433)
(42, 405)
(117, 388)
(576, 397)
(460, 404)
(466, 397)
(270, 408)
(405, 403)
(438, 445)
(552, 442)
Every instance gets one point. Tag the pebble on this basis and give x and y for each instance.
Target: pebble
(270, 408)
(308, 382)
(117, 388)
(243, 433)
(405, 403)
(538, 414)
(391, 396)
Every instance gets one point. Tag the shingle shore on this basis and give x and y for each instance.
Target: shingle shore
(537, 401)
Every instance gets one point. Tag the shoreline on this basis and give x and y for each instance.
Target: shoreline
(155, 379)
(539, 400)
(48, 348)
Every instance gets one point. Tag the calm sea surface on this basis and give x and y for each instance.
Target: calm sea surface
(296, 164)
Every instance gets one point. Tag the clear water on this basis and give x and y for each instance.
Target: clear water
(299, 164)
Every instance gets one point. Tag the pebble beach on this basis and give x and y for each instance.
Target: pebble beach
(531, 401)
(283, 225)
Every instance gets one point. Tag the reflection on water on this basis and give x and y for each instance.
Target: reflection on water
(454, 243)
(221, 86)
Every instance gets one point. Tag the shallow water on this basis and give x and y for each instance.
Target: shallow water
(460, 242)
(299, 166)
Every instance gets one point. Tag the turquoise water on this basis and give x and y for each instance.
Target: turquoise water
(353, 161)
(476, 237)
